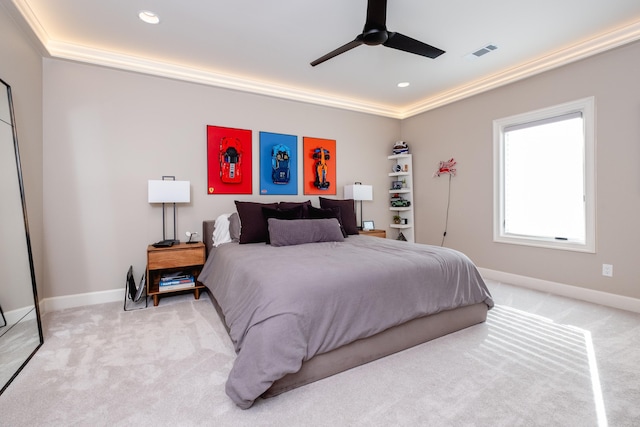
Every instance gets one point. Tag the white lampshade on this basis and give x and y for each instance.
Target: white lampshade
(169, 191)
(358, 192)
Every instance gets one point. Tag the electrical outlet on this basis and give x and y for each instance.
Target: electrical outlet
(607, 270)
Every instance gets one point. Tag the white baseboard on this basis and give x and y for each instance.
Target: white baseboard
(79, 300)
(576, 292)
(589, 295)
(24, 313)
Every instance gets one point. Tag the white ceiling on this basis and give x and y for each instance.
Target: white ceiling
(266, 46)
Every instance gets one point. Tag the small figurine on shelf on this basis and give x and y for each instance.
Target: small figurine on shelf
(400, 147)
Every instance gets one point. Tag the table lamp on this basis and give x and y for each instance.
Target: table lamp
(168, 190)
(358, 193)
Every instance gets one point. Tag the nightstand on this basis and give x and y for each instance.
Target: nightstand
(187, 258)
(374, 233)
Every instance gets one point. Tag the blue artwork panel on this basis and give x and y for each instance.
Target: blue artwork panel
(278, 163)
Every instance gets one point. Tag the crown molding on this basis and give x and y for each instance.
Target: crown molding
(592, 46)
(32, 21)
(164, 69)
(584, 49)
(27, 21)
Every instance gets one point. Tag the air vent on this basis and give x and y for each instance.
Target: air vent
(481, 51)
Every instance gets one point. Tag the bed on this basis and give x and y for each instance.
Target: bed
(297, 313)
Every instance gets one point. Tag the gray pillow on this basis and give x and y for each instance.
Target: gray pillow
(284, 232)
(234, 226)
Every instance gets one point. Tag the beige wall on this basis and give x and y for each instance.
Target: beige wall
(21, 68)
(107, 132)
(464, 130)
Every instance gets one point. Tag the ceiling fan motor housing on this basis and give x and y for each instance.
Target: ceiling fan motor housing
(375, 36)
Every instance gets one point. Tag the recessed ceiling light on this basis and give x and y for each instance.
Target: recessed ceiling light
(403, 84)
(148, 17)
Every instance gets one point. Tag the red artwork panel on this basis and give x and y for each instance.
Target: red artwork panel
(319, 166)
(228, 160)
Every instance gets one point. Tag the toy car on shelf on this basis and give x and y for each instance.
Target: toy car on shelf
(399, 202)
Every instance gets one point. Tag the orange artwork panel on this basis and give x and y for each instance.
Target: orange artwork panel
(319, 166)
(228, 160)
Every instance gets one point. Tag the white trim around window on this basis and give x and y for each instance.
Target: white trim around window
(585, 241)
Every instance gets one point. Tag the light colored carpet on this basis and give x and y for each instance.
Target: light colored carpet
(539, 360)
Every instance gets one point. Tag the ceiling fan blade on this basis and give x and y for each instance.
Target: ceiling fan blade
(375, 33)
(407, 44)
(376, 15)
(342, 49)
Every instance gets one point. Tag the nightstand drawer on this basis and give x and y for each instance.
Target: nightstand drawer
(160, 258)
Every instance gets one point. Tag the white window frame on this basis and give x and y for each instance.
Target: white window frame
(587, 107)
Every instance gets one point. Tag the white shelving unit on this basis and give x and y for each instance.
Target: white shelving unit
(402, 175)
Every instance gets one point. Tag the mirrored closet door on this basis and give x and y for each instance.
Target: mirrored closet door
(20, 327)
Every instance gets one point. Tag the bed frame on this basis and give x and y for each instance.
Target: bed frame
(392, 340)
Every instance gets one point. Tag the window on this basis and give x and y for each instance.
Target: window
(544, 177)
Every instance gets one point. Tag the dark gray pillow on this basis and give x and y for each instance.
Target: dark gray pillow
(317, 213)
(284, 232)
(347, 212)
(290, 205)
(253, 227)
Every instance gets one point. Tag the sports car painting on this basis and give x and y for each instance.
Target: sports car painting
(229, 162)
(278, 164)
(319, 166)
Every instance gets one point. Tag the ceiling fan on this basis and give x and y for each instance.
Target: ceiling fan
(375, 33)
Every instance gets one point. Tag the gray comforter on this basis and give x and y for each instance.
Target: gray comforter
(283, 305)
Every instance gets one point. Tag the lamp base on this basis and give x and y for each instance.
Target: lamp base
(165, 243)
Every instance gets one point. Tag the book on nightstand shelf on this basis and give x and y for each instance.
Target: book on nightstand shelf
(175, 282)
